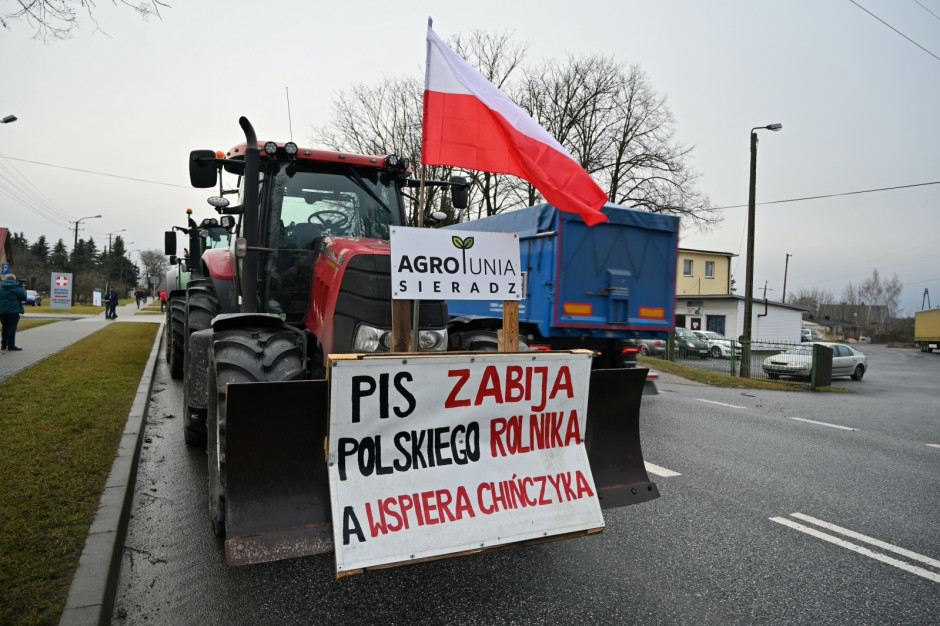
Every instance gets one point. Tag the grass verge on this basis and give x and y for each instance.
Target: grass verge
(60, 423)
(77, 309)
(723, 380)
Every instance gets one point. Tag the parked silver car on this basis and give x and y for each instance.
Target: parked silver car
(650, 347)
(719, 346)
(798, 361)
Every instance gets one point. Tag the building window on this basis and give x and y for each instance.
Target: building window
(709, 269)
(687, 267)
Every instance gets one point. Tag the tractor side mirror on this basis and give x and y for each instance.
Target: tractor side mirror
(169, 243)
(459, 192)
(202, 169)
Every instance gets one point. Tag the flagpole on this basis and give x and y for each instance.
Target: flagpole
(416, 304)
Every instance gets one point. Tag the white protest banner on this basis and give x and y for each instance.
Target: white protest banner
(439, 264)
(438, 455)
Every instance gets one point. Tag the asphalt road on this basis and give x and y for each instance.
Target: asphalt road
(749, 482)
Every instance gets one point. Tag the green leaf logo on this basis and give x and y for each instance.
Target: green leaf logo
(462, 244)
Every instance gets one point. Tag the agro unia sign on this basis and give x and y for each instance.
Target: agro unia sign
(445, 264)
(442, 455)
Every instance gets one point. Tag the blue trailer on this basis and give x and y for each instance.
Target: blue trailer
(587, 287)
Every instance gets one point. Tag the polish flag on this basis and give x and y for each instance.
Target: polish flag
(469, 123)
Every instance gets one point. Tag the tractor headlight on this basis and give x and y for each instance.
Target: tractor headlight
(369, 339)
(432, 340)
(372, 339)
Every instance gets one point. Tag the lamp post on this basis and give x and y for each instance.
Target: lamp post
(77, 222)
(75, 245)
(749, 277)
(109, 238)
(786, 266)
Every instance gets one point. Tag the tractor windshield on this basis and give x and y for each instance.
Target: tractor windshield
(331, 199)
(216, 237)
(306, 202)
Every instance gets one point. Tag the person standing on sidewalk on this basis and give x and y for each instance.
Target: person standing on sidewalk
(113, 302)
(12, 297)
(162, 300)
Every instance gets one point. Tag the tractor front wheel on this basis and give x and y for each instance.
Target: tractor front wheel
(246, 355)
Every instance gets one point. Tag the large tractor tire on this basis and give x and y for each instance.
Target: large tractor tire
(239, 356)
(483, 341)
(176, 328)
(202, 304)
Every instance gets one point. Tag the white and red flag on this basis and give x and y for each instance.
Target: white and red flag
(469, 123)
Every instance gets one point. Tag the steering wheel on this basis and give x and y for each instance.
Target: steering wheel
(330, 219)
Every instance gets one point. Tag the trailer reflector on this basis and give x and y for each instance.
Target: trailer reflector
(571, 308)
(652, 313)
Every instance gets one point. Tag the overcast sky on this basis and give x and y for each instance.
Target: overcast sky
(858, 102)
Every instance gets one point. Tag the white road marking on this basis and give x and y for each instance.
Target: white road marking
(660, 471)
(874, 542)
(733, 406)
(934, 445)
(858, 549)
(801, 419)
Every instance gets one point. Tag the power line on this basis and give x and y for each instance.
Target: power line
(75, 169)
(926, 9)
(832, 195)
(895, 29)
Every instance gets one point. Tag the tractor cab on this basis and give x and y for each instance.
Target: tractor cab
(306, 205)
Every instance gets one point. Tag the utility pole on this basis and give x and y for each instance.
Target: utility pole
(745, 371)
(77, 222)
(75, 245)
(785, 266)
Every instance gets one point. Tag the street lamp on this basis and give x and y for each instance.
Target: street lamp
(109, 237)
(75, 245)
(77, 222)
(8, 119)
(749, 277)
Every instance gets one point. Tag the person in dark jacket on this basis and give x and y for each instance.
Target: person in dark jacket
(112, 303)
(12, 297)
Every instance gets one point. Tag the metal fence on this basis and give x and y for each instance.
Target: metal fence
(783, 360)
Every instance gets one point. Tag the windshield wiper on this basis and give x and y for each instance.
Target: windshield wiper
(356, 178)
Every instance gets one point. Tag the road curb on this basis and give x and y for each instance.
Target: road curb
(91, 596)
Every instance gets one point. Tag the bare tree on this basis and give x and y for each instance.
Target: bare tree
(621, 131)
(818, 301)
(381, 120)
(155, 264)
(56, 19)
(607, 115)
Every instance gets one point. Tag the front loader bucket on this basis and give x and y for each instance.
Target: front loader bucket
(613, 437)
(277, 495)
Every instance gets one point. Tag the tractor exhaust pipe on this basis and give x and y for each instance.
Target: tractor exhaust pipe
(250, 287)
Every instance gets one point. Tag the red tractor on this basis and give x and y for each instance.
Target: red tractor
(307, 274)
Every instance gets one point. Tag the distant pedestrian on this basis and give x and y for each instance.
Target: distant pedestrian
(12, 297)
(162, 300)
(113, 300)
(139, 296)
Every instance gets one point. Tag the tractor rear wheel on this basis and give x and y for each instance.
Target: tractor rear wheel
(269, 354)
(177, 328)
